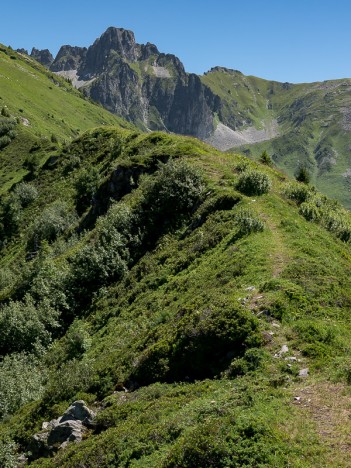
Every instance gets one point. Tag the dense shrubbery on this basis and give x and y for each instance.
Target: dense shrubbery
(298, 192)
(25, 325)
(26, 193)
(199, 344)
(7, 129)
(170, 195)
(253, 182)
(86, 186)
(21, 380)
(54, 220)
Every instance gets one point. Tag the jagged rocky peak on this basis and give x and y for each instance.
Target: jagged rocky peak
(117, 41)
(69, 58)
(42, 56)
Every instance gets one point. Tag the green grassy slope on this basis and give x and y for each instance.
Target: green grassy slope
(46, 111)
(160, 266)
(313, 120)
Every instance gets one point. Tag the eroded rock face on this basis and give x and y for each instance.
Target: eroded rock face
(137, 82)
(42, 56)
(56, 434)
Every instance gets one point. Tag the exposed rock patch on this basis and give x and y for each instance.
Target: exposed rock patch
(56, 434)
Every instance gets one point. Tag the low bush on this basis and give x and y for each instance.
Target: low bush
(298, 192)
(26, 193)
(253, 182)
(248, 222)
(54, 220)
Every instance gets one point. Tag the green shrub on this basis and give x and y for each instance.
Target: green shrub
(11, 213)
(21, 381)
(254, 183)
(298, 192)
(338, 224)
(309, 211)
(5, 112)
(26, 193)
(303, 175)
(248, 222)
(170, 196)
(24, 325)
(86, 185)
(265, 158)
(8, 453)
(199, 344)
(108, 256)
(53, 221)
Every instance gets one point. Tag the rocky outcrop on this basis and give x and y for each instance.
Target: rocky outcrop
(137, 82)
(69, 58)
(42, 56)
(56, 434)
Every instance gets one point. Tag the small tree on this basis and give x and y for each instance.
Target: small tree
(265, 159)
(303, 175)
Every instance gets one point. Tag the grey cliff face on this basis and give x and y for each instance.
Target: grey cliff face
(42, 56)
(141, 84)
(69, 58)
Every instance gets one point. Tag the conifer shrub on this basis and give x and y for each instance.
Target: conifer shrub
(198, 344)
(265, 159)
(254, 182)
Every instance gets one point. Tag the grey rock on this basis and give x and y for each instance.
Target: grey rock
(78, 411)
(48, 425)
(38, 445)
(71, 431)
(304, 372)
(284, 349)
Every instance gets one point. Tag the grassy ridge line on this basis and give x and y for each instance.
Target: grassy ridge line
(294, 274)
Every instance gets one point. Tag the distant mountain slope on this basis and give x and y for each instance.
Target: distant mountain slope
(303, 124)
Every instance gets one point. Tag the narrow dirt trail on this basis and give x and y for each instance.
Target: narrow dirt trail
(329, 406)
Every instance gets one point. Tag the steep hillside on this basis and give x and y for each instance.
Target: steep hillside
(39, 112)
(299, 125)
(198, 303)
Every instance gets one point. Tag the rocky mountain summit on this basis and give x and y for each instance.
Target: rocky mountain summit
(139, 83)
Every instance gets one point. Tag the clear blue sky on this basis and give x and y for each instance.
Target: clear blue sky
(284, 40)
